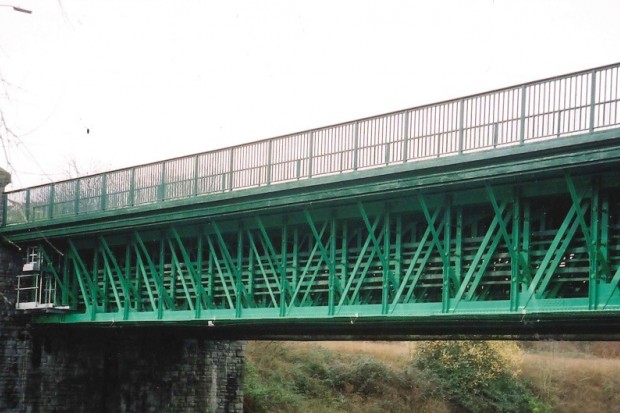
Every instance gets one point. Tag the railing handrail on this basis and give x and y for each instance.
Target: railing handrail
(445, 121)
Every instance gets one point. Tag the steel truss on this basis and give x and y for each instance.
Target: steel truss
(543, 246)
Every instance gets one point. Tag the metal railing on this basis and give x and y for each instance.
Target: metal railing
(35, 291)
(575, 103)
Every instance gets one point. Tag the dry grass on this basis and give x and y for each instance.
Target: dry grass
(575, 383)
(392, 353)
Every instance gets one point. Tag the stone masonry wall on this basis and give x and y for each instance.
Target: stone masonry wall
(79, 369)
(15, 343)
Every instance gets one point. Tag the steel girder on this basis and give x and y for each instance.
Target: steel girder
(543, 246)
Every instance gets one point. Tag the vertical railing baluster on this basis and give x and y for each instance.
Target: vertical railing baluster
(27, 212)
(161, 196)
(592, 100)
(406, 136)
(310, 153)
(132, 188)
(269, 159)
(461, 125)
(356, 145)
(76, 205)
(387, 152)
(196, 172)
(104, 192)
(434, 124)
(50, 211)
(231, 171)
(5, 207)
(522, 131)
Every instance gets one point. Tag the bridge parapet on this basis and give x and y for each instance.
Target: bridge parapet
(549, 109)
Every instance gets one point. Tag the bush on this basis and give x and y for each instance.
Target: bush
(281, 377)
(363, 376)
(478, 376)
(260, 395)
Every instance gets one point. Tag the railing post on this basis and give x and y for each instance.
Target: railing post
(592, 100)
(388, 149)
(196, 172)
(461, 125)
(162, 185)
(50, 207)
(5, 208)
(438, 144)
(355, 145)
(231, 171)
(27, 211)
(76, 200)
(406, 137)
(269, 155)
(104, 192)
(522, 131)
(132, 188)
(310, 154)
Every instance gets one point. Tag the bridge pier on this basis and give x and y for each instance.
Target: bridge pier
(110, 369)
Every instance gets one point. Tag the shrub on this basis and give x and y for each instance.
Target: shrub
(478, 376)
(260, 395)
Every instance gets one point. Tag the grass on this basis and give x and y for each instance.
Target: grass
(370, 377)
(574, 382)
(392, 353)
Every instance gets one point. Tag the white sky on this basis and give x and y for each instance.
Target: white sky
(154, 79)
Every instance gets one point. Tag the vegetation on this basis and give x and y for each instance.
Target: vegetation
(284, 377)
(477, 376)
(433, 377)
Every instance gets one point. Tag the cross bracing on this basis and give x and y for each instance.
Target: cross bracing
(538, 246)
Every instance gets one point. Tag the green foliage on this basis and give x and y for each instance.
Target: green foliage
(537, 406)
(478, 376)
(266, 394)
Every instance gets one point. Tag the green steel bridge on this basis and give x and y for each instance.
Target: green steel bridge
(497, 213)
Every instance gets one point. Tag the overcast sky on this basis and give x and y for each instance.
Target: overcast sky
(113, 83)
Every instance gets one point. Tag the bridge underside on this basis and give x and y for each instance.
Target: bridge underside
(511, 244)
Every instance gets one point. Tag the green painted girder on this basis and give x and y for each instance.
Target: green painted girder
(495, 248)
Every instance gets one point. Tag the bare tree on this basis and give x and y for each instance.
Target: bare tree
(6, 133)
